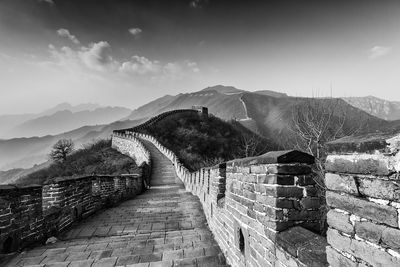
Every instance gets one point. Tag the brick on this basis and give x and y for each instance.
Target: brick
(81, 263)
(378, 188)
(376, 164)
(311, 191)
(275, 179)
(105, 262)
(340, 221)
(336, 259)
(363, 208)
(341, 183)
(279, 191)
(387, 236)
(369, 231)
(303, 180)
(289, 169)
(361, 249)
(310, 203)
(171, 255)
(300, 215)
(391, 238)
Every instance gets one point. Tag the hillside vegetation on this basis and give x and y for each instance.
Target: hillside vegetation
(205, 141)
(95, 158)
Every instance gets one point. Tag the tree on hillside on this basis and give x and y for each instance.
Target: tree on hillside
(61, 150)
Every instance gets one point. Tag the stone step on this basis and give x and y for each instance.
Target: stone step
(122, 257)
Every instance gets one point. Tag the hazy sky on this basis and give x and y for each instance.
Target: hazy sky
(129, 52)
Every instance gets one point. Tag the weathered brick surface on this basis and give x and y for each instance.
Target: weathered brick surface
(31, 214)
(364, 200)
(337, 259)
(361, 249)
(367, 209)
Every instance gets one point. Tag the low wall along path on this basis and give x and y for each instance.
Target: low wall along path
(164, 226)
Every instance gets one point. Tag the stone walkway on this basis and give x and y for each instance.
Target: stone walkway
(165, 226)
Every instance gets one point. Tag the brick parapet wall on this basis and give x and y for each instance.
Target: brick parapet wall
(364, 200)
(262, 198)
(32, 213)
(133, 148)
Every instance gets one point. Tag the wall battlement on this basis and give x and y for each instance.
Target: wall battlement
(31, 214)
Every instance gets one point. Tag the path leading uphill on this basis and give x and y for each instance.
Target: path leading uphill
(165, 226)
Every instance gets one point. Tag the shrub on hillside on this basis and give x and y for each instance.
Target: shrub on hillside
(201, 141)
(95, 158)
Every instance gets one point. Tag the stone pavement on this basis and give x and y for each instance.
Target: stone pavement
(165, 226)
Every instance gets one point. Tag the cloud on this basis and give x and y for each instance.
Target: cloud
(65, 33)
(97, 56)
(140, 65)
(51, 2)
(379, 51)
(193, 66)
(135, 31)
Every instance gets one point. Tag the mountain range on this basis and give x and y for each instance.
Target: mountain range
(384, 109)
(265, 112)
(61, 118)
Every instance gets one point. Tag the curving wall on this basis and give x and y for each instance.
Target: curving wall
(259, 209)
(30, 214)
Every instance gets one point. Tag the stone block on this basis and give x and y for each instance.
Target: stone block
(379, 234)
(376, 164)
(306, 246)
(340, 221)
(337, 259)
(363, 208)
(341, 183)
(369, 231)
(379, 188)
(360, 249)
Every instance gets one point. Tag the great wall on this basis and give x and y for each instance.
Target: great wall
(259, 211)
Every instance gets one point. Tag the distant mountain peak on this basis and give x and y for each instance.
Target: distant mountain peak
(222, 89)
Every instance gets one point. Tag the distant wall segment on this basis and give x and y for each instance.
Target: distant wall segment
(155, 119)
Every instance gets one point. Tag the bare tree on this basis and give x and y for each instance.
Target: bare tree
(318, 121)
(314, 123)
(61, 150)
(252, 145)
